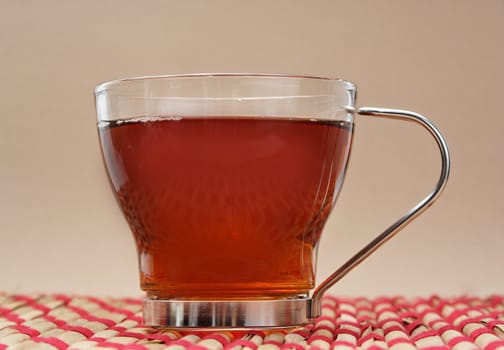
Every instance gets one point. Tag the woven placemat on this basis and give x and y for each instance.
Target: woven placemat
(79, 322)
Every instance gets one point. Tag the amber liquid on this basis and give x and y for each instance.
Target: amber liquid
(226, 207)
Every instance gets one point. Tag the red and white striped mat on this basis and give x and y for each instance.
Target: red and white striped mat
(80, 322)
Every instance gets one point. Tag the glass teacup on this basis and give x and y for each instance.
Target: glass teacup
(226, 181)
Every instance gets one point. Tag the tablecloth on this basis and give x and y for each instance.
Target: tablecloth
(52, 321)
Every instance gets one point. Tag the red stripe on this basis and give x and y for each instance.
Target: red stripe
(465, 322)
(86, 315)
(137, 319)
(418, 303)
(4, 310)
(55, 320)
(495, 323)
(272, 342)
(244, 343)
(57, 343)
(455, 340)
(32, 302)
(395, 341)
(27, 330)
(24, 298)
(111, 308)
(290, 346)
(122, 346)
(389, 319)
(367, 318)
(181, 342)
(393, 328)
(455, 314)
(495, 345)
(323, 327)
(133, 335)
(88, 333)
(97, 339)
(329, 306)
(106, 344)
(220, 338)
(105, 321)
(412, 326)
(424, 334)
(348, 331)
(447, 327)
(320, 337)
(345, 312)
(64, 298)
(342, 343)
(197, 347)
(160, 336)
(302, 332)
(326, 318)
(408, 314)
(132, 301)
(41, 307)
(373, 336)
(433, 323)
(13, 318)
(477, 332)
(134, 347)
(262, 334)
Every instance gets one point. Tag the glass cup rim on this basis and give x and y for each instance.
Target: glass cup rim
(106, 85)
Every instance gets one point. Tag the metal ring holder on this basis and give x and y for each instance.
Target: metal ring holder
(292, 312)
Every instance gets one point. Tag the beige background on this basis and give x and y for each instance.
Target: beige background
(60, 229)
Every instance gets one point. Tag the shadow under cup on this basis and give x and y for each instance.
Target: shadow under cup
(226, 181)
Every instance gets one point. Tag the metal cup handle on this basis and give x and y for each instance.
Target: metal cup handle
(391, 231)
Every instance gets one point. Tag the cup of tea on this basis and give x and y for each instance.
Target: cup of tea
(227, 181)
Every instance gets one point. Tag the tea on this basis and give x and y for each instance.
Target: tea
(226, 207)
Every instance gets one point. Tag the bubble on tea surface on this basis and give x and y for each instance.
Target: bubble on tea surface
(142, 119)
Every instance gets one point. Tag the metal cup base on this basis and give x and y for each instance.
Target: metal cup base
(227, 314)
